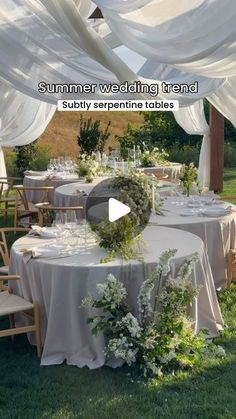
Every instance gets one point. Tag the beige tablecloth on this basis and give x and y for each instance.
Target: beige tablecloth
(37, 180)
(59, 285)
(218, 234)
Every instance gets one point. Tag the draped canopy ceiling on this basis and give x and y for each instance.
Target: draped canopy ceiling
(55, 42)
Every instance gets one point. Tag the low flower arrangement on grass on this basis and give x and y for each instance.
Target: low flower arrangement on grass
(122, 238)
(160, 338)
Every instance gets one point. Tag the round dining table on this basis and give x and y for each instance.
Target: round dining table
(60, 284)
(39, 179)
(73, 194)
(217, 232)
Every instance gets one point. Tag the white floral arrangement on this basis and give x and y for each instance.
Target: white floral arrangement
(87, 166)
(160, 339)
(154, 157)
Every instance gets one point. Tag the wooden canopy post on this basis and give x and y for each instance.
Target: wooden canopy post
(217, 150)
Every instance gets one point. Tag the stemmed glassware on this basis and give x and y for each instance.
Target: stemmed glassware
(62, 165)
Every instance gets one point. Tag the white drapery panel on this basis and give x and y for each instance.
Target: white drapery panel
(53, 41)
(22, 119)
(193, 121)
(61, 46)
(196, 36)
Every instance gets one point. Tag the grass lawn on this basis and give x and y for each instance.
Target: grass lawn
(28, 391)
(230, 183)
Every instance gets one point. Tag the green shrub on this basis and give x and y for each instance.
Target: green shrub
(24, 157)
(10, 160)
(230, 155)
(40, 161)
(186, 154)
(91, 137)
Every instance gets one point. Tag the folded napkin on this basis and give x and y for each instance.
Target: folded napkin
(217, 211)
(54, 177)
(42, 252)
(44, 232)
(79, 192)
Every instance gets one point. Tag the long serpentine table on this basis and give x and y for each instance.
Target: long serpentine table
(69, 194)
(60, 284)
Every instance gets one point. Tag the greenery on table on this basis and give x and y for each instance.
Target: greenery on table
(122, 237)
(189, 177)
(159, 339)
(119, 238)
(92, 137)
(153, 157)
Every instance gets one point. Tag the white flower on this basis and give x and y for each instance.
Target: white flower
(164, 262)
(167, 357)
(88, 302)
(121, 348)
(132, 325)
(112, 291)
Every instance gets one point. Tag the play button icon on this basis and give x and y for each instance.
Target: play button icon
(108, 202)
(116, 210)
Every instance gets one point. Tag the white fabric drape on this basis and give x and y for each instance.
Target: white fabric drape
(193, 120)
(53, 41)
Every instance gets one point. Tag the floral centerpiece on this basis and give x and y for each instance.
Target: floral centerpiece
(87, 167)
(154, 157)
(122, 237)
(160, 337)
(189, 177)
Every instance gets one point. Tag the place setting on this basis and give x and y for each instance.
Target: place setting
(67, 236)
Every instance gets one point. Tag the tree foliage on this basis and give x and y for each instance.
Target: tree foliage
(159, 129)
(25, 156)
(92, 137)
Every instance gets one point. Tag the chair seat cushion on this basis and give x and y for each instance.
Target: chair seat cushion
(11, 303)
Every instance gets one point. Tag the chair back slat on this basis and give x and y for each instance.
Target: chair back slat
(24, 208)
(4, 248)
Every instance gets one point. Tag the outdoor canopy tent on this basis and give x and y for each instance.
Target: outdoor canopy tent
(55, 42)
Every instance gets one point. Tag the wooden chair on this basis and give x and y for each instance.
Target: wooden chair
(10, 304)
(47, 212)
(4, 250)
(26, 209)
(7, 199)
(231, 267)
